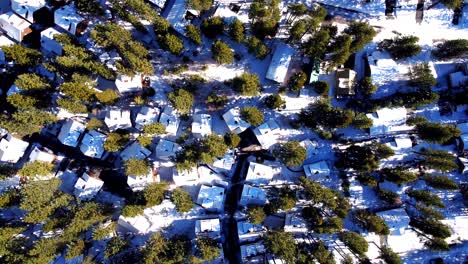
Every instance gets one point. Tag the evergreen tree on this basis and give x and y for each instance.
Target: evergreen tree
(321, 87)
(361, 34)
(437, 133)
(398, 175)
(257, 47)
(212, 27)
(354, 241)
(222, 53)
(136, 167)
(193, 33)
(237, 30)
(389, 256)
(36, 169)
(31, 81)
(449, 49)
(171, 43)
(292, 154)
(217, 101)
(26, 122)
(432, 227)
(161, 26)
(426, 197)
(115, 246)
(440, 182)
(297, 81)
(371, 222)
(107, 97)
(22, 102)
(72, 106)
(281, 244)
(255, 214)
(94, 124)
(361, 121)
(155, 128)
(401, 47)
(22, 56)
(252, 115)
(131, 210)
(182, 200)
(154, 193)
(437, 244)
(89, 6)
(200, 5)
(232, 140)
(275, 101)
(145, 141)
(421, 76)
(452, 4)
(182, 100)
(207, 248)
(367, 86)
(115, 141)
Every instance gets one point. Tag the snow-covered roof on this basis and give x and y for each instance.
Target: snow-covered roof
(295, 223)
(86, 187)
(41, 154)
(211, 198)
(401, 142)
(209, 227)
(159, 3)
(146, 115)
(401, 238)
(176, 16)
(259, 173)
(201, 125)
(234, 121)
(187, 177)
(252, 196)
(48, 42)
(252, 250)
(170, 120)
(267, 133)
(153, 219)
(14, 20)
(135, 151)
(248, 231)
(317, 171)
(166, 149)
(224, 163)
(224, 11)
(310, 146)
(138, 183)
(209, 177)
(388, 120)
(26, 8)
(126, 84)
(12, 149)
(70, 133)
(118, 118)
(67, 18)
(279, 65)
(458, 79)
(92, 144)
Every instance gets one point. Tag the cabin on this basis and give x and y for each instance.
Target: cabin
(12, 149)
(27, 8)
(135, 151)
(252, 196)
(146, 115)
(71, 132)
(211, 198)
(201, 125)
(267, 133)
(170, 119)
(248, 232)
(14, 26)
(259, 174)
(86, 187)
(208, 227)
(48, 43)
(279, 65)
(92, 144)
(388, 120)
(234, 121)
(4, 42)
(129, 84)
(69, 20)
(118, 119)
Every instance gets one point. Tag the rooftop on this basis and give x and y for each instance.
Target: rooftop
(135, 151)
(211, 198)
(12, 149)
(233, 120)
(70, 133)
(92, 144)
(279, 65)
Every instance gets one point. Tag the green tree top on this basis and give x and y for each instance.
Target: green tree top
(281, 244)
(136, 167)
(246, 84)
(252, 115)
(292, 154)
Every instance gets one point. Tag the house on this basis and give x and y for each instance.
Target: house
(118, 119)
(187, 177)
(86, 187)
(12, 149)
(135, 151)
(234, 121)
(400, 143)
(267, 133)
(26, 8)
(201, 125)
(252, 196)
(128, 84)
(318, 171)
(48, 42)
(15, 26)
(259, 174)
(166, 149)
(464, 135)
(387, 120)
(146, 115)
(402, 237)
(249, 232)
(209, 177)
(178, 16)
(158, 3)
(92, 144)
(70, 133)
(211, 198)
(230, 12)
(295, 223)
(138, 183)
(170, 120)
(224, 164)
(68, 19)
(458, 79)
(279, 64)
(252, 250)
(4, 41)
(208, 227)
(345, 82)
(152, 220)
(43, 154)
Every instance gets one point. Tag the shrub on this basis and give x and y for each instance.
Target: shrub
(182, 100)
(132, 210)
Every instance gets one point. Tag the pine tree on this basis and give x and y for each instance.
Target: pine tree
(237, 30)
(292, 154)
(182, 200)
(246, 84)
(222, 53)
(354, 241)
(193, 33)
(255, 214)
(182, 100)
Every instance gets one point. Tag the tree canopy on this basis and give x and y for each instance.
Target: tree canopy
(291, 153)
(222, 53)
(401, 47)
(136, 167)
(252, 115)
